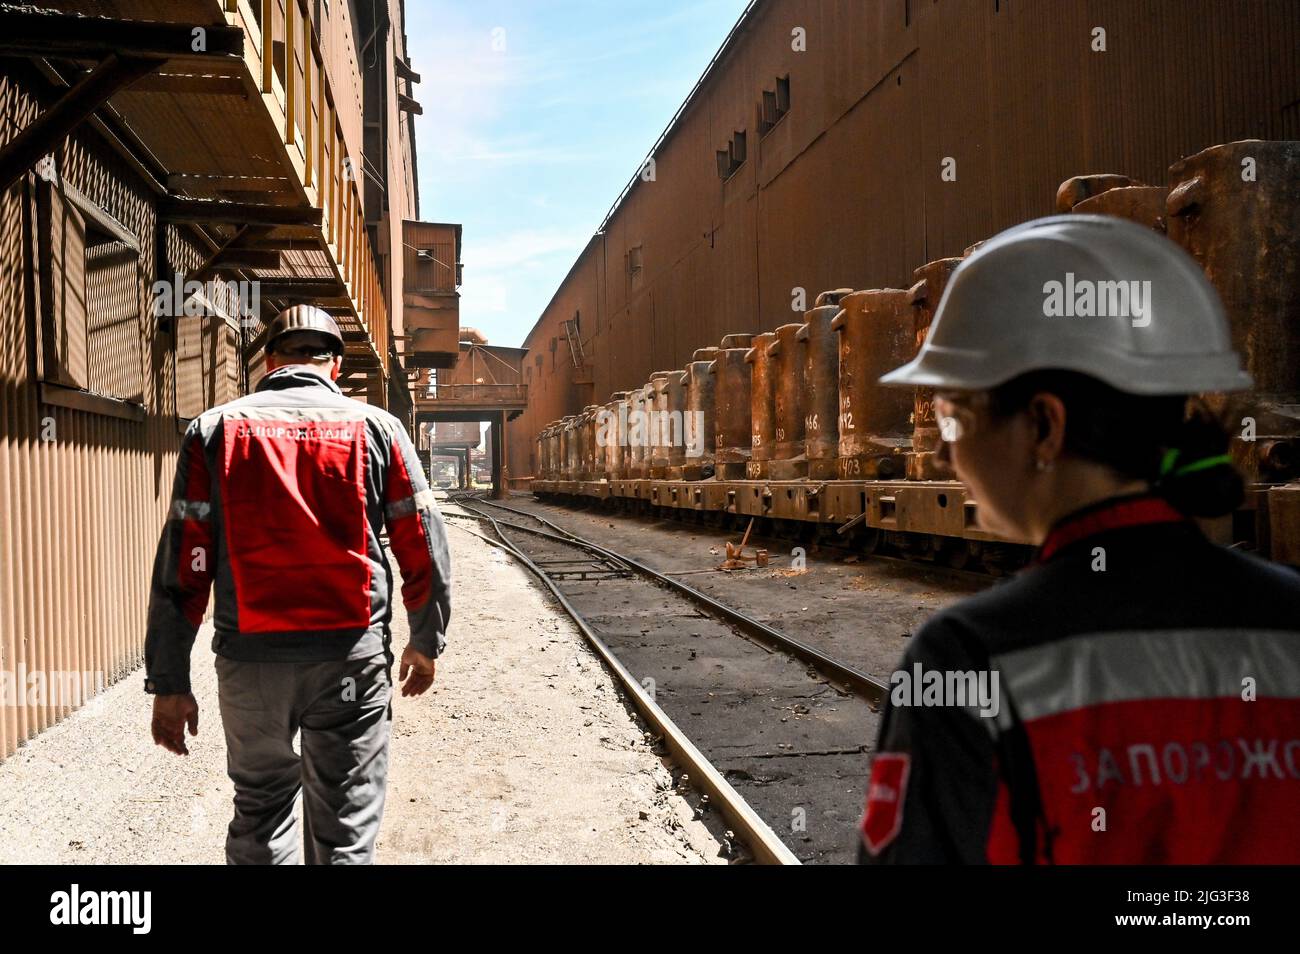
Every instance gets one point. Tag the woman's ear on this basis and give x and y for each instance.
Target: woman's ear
(1047, 412)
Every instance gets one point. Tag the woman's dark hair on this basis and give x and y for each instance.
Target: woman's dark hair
(1137, 435)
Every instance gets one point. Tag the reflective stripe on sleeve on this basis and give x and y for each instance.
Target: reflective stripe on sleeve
(1099, 668)
(191, 510)
(409, 505)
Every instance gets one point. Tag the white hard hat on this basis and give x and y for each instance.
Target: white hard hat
(298, 318)
(1089, 293)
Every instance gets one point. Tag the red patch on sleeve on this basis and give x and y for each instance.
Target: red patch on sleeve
(886, 792)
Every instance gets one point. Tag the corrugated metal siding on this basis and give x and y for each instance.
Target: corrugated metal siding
(846, 191)
(422, 275)
(82, 495)
(207, 358)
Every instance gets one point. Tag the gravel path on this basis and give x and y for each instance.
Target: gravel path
(522, 752)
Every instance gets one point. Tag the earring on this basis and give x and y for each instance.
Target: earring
(1044, 464)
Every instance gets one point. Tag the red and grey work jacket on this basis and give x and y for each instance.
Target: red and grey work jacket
(278, 503)
(1140, 704)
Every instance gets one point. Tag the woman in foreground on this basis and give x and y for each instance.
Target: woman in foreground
(1143, 683)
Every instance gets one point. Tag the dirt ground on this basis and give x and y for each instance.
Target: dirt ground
(522, 752)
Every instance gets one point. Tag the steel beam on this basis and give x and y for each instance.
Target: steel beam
(214, 262)
(179, 182)
(198, 84)
(56, 123)
(298, 287)
(404, 70)
(242, 258)
(283, 243)
(31, 31)
(178, 209)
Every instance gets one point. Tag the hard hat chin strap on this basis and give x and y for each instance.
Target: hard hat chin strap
(1205, 463)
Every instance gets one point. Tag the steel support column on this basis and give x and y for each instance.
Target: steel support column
(498, 455)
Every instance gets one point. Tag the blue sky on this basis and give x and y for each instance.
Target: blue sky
(536, 113)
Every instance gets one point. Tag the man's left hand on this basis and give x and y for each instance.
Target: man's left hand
(420, 668)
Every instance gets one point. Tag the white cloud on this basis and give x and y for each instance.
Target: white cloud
(515, 249)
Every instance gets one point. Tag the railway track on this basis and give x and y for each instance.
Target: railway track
(850, 678)
(772, 730)
(768, 534)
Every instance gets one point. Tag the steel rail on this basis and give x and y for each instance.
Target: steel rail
(984, 576)
(851, 679)
(746, 823)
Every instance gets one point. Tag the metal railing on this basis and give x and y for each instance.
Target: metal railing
(478, 393)
(305, 106)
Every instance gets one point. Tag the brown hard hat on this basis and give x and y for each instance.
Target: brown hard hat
(303, 318)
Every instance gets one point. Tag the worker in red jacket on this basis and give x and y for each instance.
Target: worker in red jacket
(279, 500)
(1134, 695)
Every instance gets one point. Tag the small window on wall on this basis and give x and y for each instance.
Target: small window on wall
(89, 286)
(635, 268)
(207, 363)
(774, 105)
(733, 157)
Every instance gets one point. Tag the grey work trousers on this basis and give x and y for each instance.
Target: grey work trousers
(343, 711)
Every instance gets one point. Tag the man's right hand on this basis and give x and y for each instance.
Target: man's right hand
(420, 668)
(171, 714)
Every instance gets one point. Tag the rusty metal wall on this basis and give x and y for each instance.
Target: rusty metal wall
(426, 276)
(455, 433)
(845, 189)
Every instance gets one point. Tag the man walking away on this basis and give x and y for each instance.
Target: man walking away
(279, 500)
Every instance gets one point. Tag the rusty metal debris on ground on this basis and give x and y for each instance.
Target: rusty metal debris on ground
(738, 559)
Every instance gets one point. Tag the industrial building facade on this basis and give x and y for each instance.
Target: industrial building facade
(174, 173)
(842, 143)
